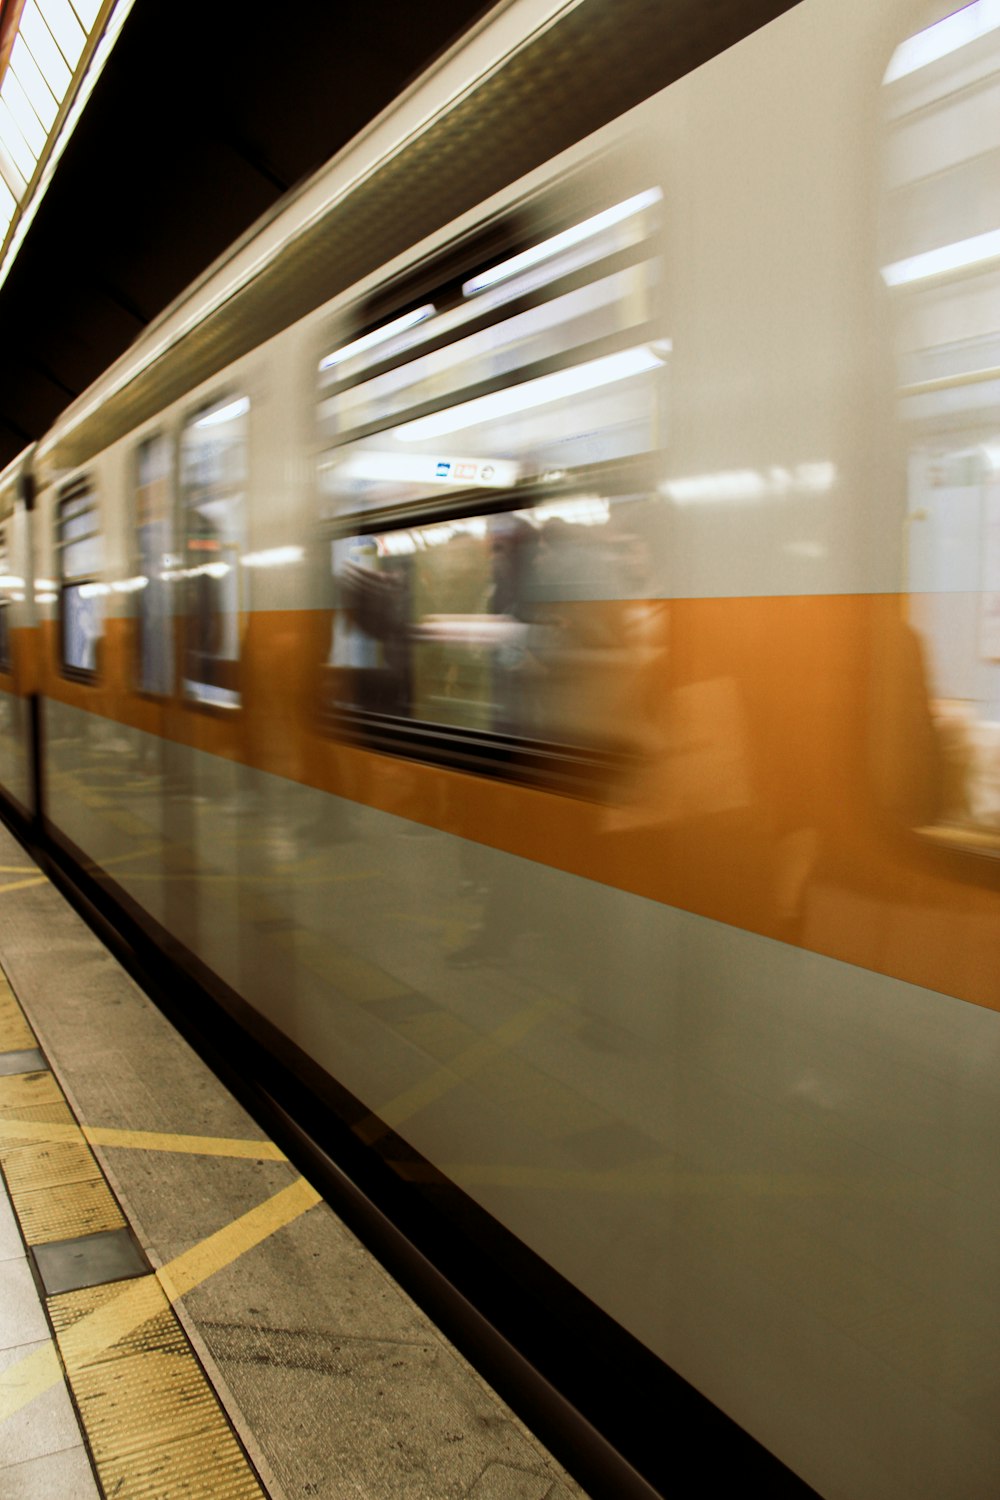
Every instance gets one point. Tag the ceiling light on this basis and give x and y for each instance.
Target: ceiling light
(227, 413)
(40, 96)
(69, 34)
(530, 393)
(954, 257)
(946, 36)
(585, 230)
(50, 61)
(378, 335)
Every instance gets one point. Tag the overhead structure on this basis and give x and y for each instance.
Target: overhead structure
(51, 54)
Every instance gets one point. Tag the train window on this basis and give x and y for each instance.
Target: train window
(8, 588)
(935, 723)
(80, 551)
(154, 662)
(213, 507)
(483, 458)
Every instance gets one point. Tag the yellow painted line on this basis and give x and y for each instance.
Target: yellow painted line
(16, 869)
(22, 885)
(185, 1145)
(194, 1266)
(38, 1131)
(143, 1140)
(136, 1302)
(458, 1070)
(121, 859)
(32, 1376)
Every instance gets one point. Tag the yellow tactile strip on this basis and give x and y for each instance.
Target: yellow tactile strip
(51, 1205)
(152, 1419)
(15, 1033)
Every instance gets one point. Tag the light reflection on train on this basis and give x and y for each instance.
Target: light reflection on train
(606, 601)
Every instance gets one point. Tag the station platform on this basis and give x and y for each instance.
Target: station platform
(181, 1315)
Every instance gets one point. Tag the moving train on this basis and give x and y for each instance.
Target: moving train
(523, 632)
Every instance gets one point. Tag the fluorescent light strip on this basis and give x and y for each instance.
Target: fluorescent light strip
(39, 94)
(378, 336)
(87, 11)
(955, 257)
(514, 398)
(227, 413)
(564, 241)
(946, 36)
(12, 177)
(50, 61)
(16, 145)
(273, 557)
(64, 26)
(19, 105)
(81, 96)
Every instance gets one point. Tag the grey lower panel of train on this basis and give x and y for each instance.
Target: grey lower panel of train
(777, 1170)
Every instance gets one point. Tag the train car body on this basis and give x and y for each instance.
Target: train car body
(553, 684)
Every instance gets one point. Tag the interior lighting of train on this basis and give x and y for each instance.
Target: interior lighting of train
(583, 510)
(973, 251)
(130, 585)
(228, 413)
(750, 485)
(955, 31)
(591, 375)
(203, 570)
(378, 335)
(273, 557)
(49, 64)
(565, 240)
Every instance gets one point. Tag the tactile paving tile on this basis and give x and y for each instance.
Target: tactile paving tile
(52, 1119)
(151, 1418)
(66, 1211)
(50, 1164)
(34, 1124)
(21, 1090)
(15, 1033)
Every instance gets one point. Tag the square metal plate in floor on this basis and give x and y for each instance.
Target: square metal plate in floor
(29, 1061)
(91, 1260)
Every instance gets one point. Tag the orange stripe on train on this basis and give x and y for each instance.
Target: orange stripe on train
(789, 760)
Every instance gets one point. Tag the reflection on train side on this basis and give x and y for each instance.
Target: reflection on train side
(483, 454)
(213, 507)
(478, 622)
(941, 260)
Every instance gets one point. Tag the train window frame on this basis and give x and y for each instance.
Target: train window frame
(6, 600)
(387, 334)
(223, 698)
(140, 580)
(69, 508)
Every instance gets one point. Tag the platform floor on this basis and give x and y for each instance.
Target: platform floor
(180, 1314)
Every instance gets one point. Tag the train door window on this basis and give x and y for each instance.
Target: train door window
(80, 550)
(213, 507)
(156, 566)
(484, 455)
(8, 588)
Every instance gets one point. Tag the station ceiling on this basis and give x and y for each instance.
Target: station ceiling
(203, 117)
